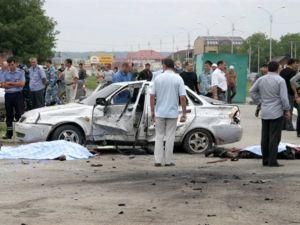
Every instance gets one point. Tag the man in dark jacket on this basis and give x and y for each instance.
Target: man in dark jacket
(146, 74)
(287, 74)
(190, 78)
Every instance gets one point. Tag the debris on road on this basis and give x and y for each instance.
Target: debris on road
(96, 165)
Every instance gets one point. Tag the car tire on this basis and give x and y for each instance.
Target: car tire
(198, 141)
(69, 133)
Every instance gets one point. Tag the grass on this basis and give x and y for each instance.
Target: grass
(91, 82)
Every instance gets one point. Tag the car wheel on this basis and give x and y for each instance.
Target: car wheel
(198, 141)
(68, 133)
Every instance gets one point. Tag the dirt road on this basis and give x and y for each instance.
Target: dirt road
(118, 189)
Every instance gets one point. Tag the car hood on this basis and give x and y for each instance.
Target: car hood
(62, 110)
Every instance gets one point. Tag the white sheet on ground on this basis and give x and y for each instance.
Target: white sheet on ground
(46, 150)
(256, 149)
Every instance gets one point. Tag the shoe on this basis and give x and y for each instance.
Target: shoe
(6, 137)
(276, 165)
(265, 163)
(290, 129)
(170, 164)
(298, 135)
(157, 165)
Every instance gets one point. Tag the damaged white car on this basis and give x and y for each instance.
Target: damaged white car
(119, 114)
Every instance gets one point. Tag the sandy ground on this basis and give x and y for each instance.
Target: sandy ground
(119, 189)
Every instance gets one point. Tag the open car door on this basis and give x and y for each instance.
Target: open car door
(118, 119)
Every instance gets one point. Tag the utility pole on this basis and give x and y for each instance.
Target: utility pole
(173, 46)
(291, 49)
(160, 45)
(149, 45)
(189, 46)
(271, 22)
(295, 49)
(250, 53)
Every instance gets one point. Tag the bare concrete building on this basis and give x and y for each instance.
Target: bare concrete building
(211, 44)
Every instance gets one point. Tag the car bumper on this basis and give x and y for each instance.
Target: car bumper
(32, 132)
(228, 134)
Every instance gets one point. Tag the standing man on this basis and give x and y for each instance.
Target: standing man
(205, 80)
(287, 74)
(231, 81)
(71, 77)
(146, 74)
(37, 84)
(13, 81)
(219, 82)
(51, 97)
(123, 75)
(190, 78)
(81, 73)
(295, 85)
(3, 69)
(271, 91)
(108, 74)
(166, 90)
(263, 71)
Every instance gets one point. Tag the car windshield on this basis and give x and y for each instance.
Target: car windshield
(102, 93)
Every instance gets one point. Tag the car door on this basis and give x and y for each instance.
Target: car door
(119, 119)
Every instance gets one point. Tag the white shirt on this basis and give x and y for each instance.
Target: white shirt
(167, 87)
(218, 79)
(70, 74)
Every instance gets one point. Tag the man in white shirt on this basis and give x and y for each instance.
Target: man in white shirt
(167, 88)
(71, 77)
(219, 82)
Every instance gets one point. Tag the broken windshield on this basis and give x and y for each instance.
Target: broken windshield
(102, 93)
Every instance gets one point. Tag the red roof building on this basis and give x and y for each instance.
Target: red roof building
(144, 55)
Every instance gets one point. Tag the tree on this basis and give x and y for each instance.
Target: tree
(258, 45)
(289, 45)
(26, 30)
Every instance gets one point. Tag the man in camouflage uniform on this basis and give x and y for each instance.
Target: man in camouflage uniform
(51, 97)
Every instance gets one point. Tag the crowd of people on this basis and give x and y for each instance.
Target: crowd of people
(37, 86)
(275, 90)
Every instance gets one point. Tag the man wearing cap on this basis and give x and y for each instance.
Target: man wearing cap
(219, 82)
(231, 81)
(13, 80)
(37, 84)
(214, 66)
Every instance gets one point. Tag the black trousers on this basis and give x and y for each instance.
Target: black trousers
(288, 123)
(231, 92)
(270, 139)
(37, 99)
(14, 106)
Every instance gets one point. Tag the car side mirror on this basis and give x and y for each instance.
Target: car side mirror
(101, 101)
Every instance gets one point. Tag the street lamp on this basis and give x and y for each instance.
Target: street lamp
(232, 29)
(208, 27)
(271, 23)
(189, 42)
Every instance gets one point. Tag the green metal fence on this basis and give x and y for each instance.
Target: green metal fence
(240, 63)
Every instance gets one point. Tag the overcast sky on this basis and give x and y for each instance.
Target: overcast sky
(124, 25)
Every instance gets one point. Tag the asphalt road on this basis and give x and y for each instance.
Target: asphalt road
(119, 189)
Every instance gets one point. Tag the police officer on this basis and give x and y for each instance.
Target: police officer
(13, 81)
(51, 97)
(37, 84)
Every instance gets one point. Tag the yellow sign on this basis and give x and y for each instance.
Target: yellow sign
(106, 59)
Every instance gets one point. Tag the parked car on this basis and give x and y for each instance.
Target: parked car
(119, 114)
